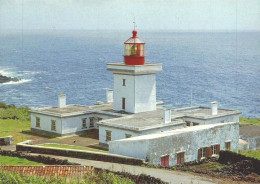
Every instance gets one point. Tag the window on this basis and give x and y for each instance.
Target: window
(180, 158)
(123, 103)
(187, 123)
(165, 160)
(128, 135)
(124, 82)
(53, 125)
(227, 146)
(38, 122)
(84, 123)
(108, 135)
(91, 122)
(195, 124)
(215, 149)
(203, 152)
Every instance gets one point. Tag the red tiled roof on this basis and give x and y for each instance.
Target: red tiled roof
(51, 170)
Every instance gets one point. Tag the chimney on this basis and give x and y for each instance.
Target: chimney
(62, 100)
(109, 95)
(167, 113)
(214, 108)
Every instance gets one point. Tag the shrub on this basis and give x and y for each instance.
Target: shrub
(13, 112)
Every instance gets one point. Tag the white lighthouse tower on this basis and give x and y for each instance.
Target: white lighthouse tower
(134, 80)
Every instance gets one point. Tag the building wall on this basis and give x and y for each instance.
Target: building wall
(67, 125)
(126, 92)
(139, 92)
(117, 133)
(45, 123)
(189, 142)
(145, 93)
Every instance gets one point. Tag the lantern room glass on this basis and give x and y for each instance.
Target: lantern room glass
(134, 49)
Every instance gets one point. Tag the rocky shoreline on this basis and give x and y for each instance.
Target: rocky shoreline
(5, 79)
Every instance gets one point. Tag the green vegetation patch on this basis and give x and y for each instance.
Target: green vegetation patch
(251, 153)
(100, 177)
(6, 160)
(252, 121)
(13, 112)
(15, 128)
(210, 166)
(66, 146)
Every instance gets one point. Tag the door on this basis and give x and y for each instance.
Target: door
(123, 103)
(180, 158)
(165, 160)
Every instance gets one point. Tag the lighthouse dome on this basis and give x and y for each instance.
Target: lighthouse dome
(134, 50)
(134, 39)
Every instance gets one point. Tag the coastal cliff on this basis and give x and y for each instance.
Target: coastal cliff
(5, 79)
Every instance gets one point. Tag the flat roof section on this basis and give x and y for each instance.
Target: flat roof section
(178, 131)
(201, 112)
(72, 110)
(249, 130)
(141, 121)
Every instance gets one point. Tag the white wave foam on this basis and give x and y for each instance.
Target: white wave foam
(17, 82)
(6, 72)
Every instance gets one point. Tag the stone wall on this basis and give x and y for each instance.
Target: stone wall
(8, 140)
(79, 154)
(37, 158)
(228, 157)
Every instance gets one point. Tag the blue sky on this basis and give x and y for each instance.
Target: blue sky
(183, 15)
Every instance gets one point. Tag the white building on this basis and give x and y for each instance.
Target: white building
(133, 123)
(182, 145)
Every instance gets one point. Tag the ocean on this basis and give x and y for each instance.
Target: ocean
(198, 67)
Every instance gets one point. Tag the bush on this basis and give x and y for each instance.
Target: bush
(100, 177)
(13, 112)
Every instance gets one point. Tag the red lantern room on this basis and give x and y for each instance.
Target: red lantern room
(134, 50)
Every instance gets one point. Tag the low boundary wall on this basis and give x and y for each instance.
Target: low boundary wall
(89, 155)
(5, 141)
(226, 157)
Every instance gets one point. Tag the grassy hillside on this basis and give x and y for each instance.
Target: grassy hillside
(251, 153)
(6, 160)
(14, 128)
(252, 121)
(65, 146)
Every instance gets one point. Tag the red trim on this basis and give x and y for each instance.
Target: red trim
(135, 43)
(134, 60)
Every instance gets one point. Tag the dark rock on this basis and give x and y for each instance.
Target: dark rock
(243, 167)
(5, 79)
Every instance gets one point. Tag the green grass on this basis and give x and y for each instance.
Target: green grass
(210, 166)
(252, 121)
(14, 128)
(72, 147)
(6, 160)
(101, 177)
(251, 153)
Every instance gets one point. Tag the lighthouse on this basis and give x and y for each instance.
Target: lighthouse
(134, 80)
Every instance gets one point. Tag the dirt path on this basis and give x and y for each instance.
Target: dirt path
(175, 177)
